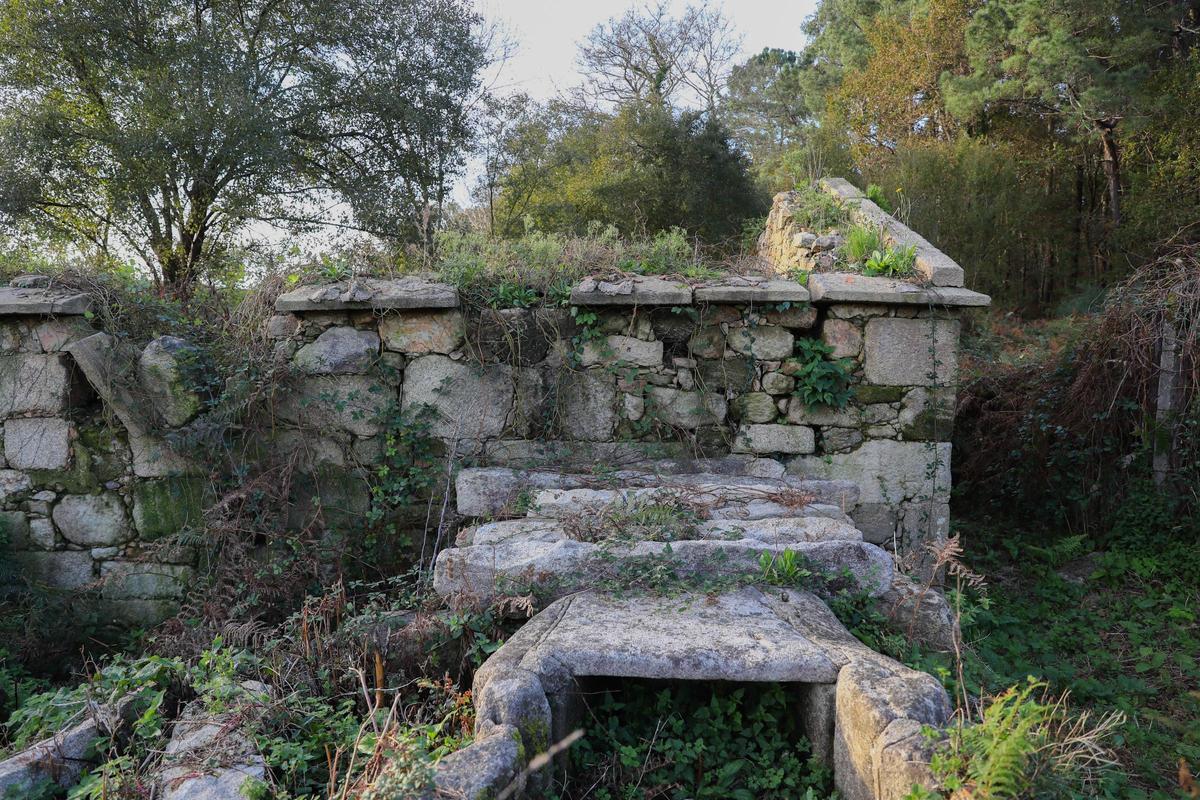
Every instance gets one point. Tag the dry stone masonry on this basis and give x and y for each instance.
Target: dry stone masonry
(641, 392)
(84, 496)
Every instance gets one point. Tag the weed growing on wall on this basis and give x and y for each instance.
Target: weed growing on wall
(860, 242)
(540, 269)
(818, 210)
(820, 381)
(891, 262)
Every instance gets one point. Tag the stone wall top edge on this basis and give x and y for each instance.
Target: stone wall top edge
(17, 301)
(937, 267)
(822, 288)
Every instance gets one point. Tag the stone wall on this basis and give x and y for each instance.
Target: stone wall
(643, 368)
(83, 497)
(633, 369)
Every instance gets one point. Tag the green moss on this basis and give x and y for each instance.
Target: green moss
(928, 426)
(78, 479)
(535, 735)
(164, 507)
(108, 450)
(868, 394)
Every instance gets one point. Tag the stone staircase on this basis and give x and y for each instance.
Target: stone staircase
(656, 572)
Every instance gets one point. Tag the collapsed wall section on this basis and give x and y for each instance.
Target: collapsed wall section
(87, 482)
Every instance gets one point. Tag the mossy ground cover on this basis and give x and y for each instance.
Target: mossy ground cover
(1119, 630)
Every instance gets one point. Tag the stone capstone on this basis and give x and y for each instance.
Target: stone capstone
(422, 332)
(640, 291)
(564, 566)
(92, 520)
(836, 287)
(750, 290)
(38, 443)
(410, 291)
(338, 351)
(41, 301)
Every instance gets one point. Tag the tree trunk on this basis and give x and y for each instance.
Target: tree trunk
(1112, 168)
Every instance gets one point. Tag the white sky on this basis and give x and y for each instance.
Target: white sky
(548, 33)
(547, 36)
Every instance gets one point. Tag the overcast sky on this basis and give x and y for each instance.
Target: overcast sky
(547, 37)
(547, 34)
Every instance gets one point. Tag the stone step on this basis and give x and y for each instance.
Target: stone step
(558, 567)
(779, 530)
(499, 491)
(862, 711)
(745, 501)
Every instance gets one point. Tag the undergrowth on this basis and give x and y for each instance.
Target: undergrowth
(694, 740)
(1117, 628)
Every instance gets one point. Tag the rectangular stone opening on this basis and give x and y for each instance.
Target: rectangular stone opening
(736, 739)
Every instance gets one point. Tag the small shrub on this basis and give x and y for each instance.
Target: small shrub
(819, 380)
(891, 262)
(860, 242)
(877, 196)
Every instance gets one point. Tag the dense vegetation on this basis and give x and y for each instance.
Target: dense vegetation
(1046, 145)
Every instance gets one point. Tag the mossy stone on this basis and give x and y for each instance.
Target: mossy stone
(164, 507)
(727, 374)
(78, 479)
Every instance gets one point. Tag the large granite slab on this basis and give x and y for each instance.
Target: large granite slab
(370, 293)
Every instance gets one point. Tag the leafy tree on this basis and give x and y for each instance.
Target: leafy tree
(166, 127)
(894, 95)
(642, 169)
(1084, 64)
(766, 107)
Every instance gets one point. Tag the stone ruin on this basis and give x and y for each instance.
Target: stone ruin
(669, 392)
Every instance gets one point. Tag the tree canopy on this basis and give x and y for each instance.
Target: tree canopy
(644, 168)
(165, 127)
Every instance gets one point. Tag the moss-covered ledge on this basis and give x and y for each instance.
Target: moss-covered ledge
(410, 293)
